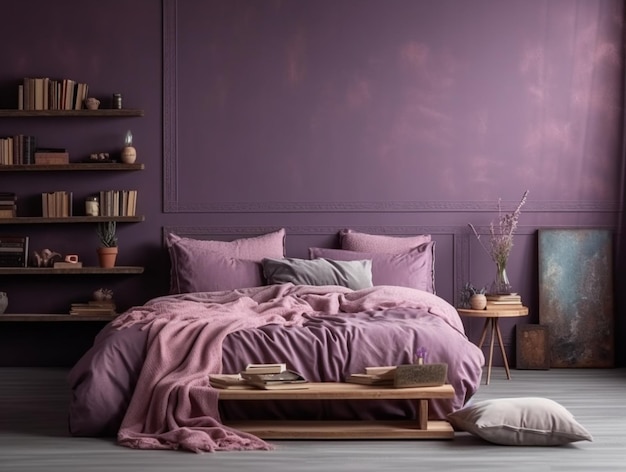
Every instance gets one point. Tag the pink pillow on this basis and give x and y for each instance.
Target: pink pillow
(355, 241)
(208, 265)
(414, 268)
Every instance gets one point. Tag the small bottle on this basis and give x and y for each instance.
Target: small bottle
(117, 101)
(92, 206)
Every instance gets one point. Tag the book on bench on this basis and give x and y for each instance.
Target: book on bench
(285, 380)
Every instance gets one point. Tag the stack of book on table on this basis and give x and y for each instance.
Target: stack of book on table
(402, 376)
(374, 376)
(93, 308)
(260, 376)
(504, 301)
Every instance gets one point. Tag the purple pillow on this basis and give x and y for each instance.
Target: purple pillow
(355, 241)
(202, 270)
(207, 265)
(414, 268)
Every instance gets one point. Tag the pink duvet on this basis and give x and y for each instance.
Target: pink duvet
(146, 377)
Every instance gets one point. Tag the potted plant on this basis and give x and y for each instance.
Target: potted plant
(473, 297)
(107, 252)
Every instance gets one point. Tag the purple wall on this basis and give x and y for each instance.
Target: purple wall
(392, 117)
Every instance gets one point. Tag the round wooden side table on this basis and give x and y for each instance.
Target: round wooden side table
(491, 317)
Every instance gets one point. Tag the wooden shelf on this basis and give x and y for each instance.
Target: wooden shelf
(52, 317)
(124, 112)
(29, 220)
(65, 271)
(75, 166)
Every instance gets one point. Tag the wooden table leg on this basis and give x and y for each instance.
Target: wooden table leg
(506, 362)
(491, 342)
(483, 334)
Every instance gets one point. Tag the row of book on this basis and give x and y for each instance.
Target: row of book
(18, 149)
(13, 251)
(43, 93)
(56, 204)
(8, 205)
(117, 203)
(111, 203)
(260, 376)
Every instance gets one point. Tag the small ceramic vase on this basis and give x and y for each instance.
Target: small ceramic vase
(92, 103)
(478, 301)
(129, 155)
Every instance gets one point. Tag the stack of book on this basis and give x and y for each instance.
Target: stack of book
(14, 251)
(8, 205)
(93, 308)
(378, 376)
(402, 376)
(504, 301)
(260, 376)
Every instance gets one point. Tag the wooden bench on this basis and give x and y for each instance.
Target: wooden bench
(419, 428)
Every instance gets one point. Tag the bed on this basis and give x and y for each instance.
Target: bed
(370, 302)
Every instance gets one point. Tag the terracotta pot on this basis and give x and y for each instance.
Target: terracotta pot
(107, 256)
(478, 301)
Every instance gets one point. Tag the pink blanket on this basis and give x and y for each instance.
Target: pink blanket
(173, 406)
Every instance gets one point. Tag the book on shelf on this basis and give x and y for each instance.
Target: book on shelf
(14, 251)
(44, 93)
(275, 368)
(93, 308)
(285, 380)
(117, 202)
(56, 204)
(68, 265)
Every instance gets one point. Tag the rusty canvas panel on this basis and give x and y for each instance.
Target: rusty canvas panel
(576, 296)
(532, 347)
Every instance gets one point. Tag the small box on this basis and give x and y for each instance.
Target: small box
(532, 347)
(420, 375)
(52, 158)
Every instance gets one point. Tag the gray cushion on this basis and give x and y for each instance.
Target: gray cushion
(525, 421)
(352, 274)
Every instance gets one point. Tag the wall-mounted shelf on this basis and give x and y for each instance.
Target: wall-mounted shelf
(66, 271)
(77, 166)
(121, 113)
(16, 274)
(29, 220)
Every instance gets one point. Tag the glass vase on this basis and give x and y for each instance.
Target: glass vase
(501, 284)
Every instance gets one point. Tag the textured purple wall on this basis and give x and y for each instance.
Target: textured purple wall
(398, 117)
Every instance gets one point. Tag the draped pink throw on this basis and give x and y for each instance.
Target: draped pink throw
(173, 405)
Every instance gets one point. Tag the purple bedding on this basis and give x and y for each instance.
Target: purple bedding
(378, 326)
